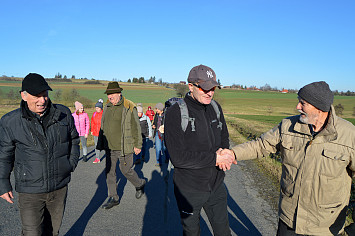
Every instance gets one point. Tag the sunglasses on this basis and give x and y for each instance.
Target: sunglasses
(202, 90)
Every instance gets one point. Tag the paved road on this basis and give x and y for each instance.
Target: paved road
(155, 213)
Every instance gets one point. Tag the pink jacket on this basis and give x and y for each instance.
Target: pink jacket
(82, 123)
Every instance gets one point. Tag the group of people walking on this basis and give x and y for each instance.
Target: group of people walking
(40, 143)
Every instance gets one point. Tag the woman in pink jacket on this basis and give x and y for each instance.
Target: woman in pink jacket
(82, 124)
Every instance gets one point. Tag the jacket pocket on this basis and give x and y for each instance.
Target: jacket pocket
(334, 163)
(63, 131)
(291, 154)
(29, 173)
(64, 168)
(287, 182)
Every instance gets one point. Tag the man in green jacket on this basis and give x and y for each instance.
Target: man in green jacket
(120, 136)
(318, 163)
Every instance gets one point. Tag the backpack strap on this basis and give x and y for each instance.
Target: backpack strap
(218, 113)
(185, 116)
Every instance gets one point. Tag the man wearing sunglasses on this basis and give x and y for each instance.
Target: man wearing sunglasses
(195, 154)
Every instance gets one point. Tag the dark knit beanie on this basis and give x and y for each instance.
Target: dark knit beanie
(318, 94)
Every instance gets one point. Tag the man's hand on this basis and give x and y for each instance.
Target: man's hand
(230, 152)
(225, 158)
(8, 196)
(137, 151)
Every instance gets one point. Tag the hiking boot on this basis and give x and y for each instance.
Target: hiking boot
(97, 160)
(85, 158)
(140, 191)
(111, 202)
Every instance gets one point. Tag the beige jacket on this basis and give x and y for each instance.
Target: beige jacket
(316, 173)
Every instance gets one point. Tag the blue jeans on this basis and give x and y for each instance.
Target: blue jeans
(160, 149)
(144, 150)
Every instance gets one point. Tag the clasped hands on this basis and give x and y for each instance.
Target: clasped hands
(225, 158)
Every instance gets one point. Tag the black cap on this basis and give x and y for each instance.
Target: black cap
(204, 76)
(318, 94)
(34, 84)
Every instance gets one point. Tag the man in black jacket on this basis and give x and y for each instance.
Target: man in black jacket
(195, 154)
(40, 143)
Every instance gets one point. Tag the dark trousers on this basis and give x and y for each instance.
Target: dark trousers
(214, 204)
(42, 213)
(284, 230)
(126, 163)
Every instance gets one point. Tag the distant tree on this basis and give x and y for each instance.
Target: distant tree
(129, 81)
(269, 109)
(58, 76)
(219, 82)
(73, 77)
(57, 95)
(11, 95)
(141, 80)
(160, 81)
(134, 80)
(339, 109)
(181, 89)
(266, 87)
(65, 77)
(151, 79)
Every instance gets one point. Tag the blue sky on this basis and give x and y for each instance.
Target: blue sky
(284, 43)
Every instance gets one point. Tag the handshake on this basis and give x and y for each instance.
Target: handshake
(225, 158)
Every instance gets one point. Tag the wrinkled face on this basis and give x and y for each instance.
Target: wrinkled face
(98, 109)
(309, 113)
(36, 103)
(114, 98)
(203, 96)
(140, 114)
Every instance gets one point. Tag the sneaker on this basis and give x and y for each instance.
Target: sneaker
(140, 191)
(111, 202)
(97, 160)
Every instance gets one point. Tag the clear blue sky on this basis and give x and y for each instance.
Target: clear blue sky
(284, 43)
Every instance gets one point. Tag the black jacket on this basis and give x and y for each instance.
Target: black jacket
(42, 152)
(193, 154)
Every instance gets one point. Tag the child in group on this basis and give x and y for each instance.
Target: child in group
(150, 113)
(82, 124)
(96, 125)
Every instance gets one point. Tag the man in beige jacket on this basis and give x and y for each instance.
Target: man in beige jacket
(318, 162)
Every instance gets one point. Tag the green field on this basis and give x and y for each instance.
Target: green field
(268, 107)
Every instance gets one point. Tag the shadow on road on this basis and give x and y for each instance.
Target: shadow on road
(97, 200)
(241, 225)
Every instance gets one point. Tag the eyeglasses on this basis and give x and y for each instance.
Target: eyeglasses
(202, 90)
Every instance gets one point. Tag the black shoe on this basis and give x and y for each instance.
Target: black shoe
(111, 202)
(85, 158)
(140, 191)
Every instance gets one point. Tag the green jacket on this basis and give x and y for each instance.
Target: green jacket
(130, 132)
(316, 173)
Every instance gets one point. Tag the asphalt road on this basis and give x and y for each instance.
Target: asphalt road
(155, 213)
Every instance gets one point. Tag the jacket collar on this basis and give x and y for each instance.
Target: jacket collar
(28, 114)
(194, 103)
(329, 133)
